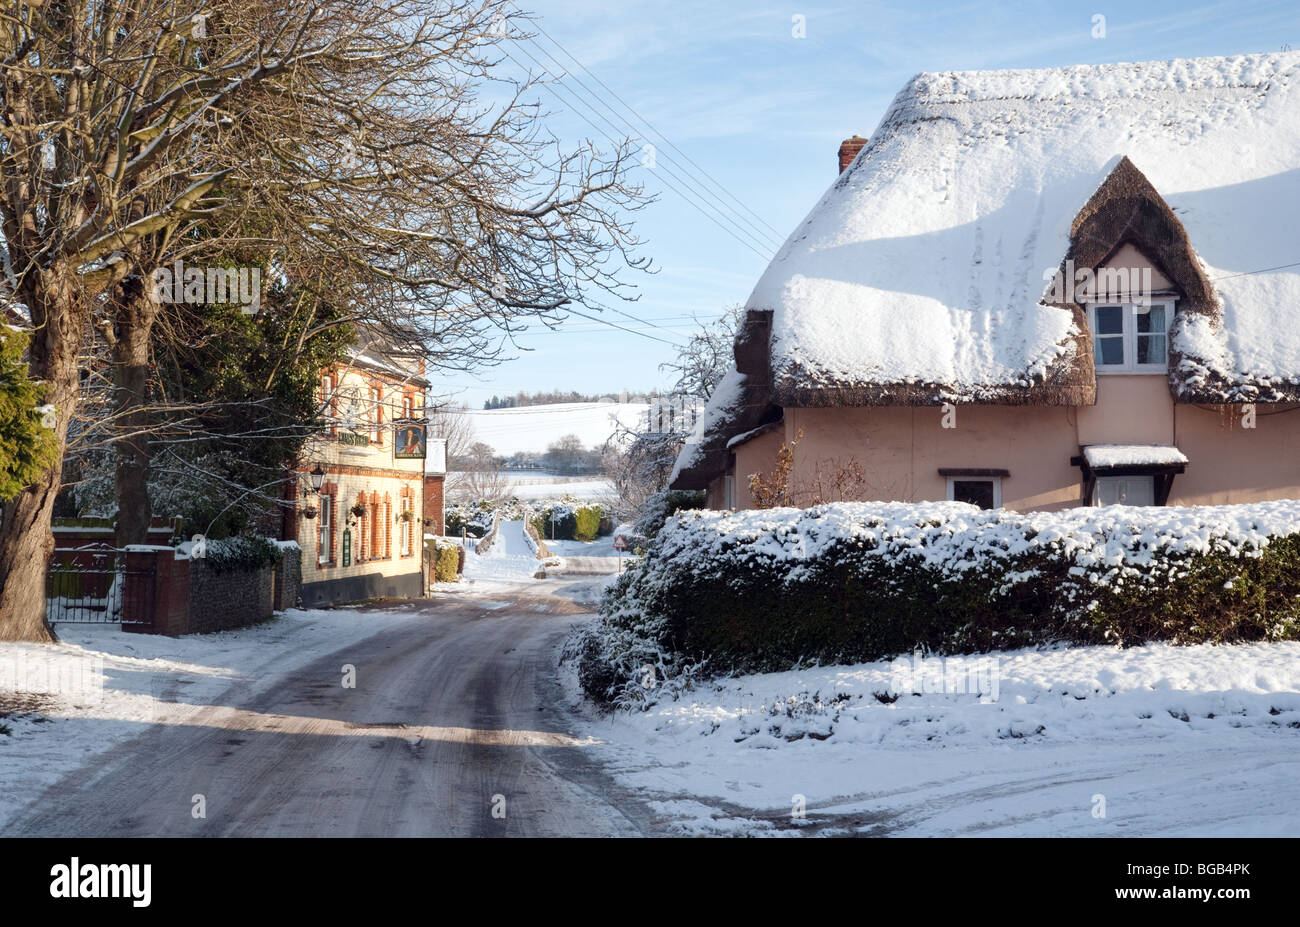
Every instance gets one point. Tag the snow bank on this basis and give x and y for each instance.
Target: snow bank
(1195, 740)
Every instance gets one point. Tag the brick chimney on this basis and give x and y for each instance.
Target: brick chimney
(849, 149)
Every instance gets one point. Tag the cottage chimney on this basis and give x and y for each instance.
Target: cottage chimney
(849, 149)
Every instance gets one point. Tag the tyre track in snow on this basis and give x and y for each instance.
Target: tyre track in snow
(448, 712)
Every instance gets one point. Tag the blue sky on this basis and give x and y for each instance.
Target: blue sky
(762, 112)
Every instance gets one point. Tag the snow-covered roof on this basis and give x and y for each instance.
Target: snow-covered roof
(739, 404)
(1132, 455)
(923, 268)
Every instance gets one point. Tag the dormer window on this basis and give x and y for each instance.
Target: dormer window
(1131, 337)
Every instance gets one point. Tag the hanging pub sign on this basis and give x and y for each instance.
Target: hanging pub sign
(409, 441)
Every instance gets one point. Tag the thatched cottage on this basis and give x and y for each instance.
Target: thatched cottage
(1036, 289)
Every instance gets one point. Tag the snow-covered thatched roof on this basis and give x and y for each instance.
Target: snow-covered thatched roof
(920, 275)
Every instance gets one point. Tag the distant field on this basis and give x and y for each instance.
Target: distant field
(533, 428)
(534, 484)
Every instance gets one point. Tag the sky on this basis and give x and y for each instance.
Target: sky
(745, 105)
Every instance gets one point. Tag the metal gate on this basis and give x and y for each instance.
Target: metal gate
(92, 584)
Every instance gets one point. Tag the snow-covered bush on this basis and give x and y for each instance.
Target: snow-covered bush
(474, 518)
(657, 509)
(446, 558)
(847, 582)
(622, 660)
(569, 520)
(228, 555)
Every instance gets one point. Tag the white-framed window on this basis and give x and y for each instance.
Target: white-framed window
(326, 519)
(728, 492)
(1131, 337)
(1124, 490)
(983, 491)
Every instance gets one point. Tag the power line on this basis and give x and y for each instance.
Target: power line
(550, 88)
(696, 186)
(624, 328)
(1263, 270)
(647, 122)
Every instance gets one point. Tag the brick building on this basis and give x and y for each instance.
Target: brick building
(360, 533)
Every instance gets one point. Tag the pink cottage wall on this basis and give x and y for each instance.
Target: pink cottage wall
(902, 448)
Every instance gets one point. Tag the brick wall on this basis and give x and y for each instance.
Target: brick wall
(221, 601)
(288, 578)
(190, 597)
(433, 486)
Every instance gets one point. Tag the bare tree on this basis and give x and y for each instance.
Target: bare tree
(639, 465)
(341, 140)
(706, 357)
(480, 476)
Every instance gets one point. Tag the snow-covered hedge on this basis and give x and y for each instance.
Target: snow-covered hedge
(445, 557)
(474, 518)
(228, 555)
(657, 509)
(765, 590)
(569, 520)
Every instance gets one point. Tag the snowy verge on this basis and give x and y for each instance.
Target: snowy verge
(1085, 741)
(63, 704)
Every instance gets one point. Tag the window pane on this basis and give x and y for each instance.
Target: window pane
(1110, 320)
(976, 492)
(1153, 320)
(1125, 490)
(1110, 351)
(1151, 349)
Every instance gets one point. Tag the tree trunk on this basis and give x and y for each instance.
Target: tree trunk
(134, 318)
(26, 542)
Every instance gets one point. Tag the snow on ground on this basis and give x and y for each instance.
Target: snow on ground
(1164, 740)
(601, 547)
(62, 704)
(529, 484)
(534, 428)
(510, 559)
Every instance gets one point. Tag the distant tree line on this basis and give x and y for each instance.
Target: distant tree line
(552, 397)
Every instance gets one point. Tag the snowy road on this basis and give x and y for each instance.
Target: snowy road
(454, 715)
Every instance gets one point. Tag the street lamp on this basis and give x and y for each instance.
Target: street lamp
(317, 478)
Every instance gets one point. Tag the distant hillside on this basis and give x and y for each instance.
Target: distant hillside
(532, 428)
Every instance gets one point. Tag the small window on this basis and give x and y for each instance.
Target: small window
(1124, 490)
(984, 492)
(1131, 337)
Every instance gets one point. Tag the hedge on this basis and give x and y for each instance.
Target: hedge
(475, 519)
(570, 521)
(229, 555)
(850, 582)
(446, 557)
